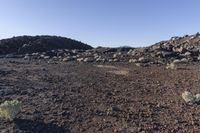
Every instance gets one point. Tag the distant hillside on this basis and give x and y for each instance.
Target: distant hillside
(31, 44)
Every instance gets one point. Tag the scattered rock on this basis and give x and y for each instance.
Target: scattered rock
(179, 49)
(132, 61)
(46, 57)
(100, 59)
(80, 59)
(26, 57)
(187, 47)
(89, 59)
(66, 59)
(141, 64)
(115, 60)
(143, 60)
(166, 54)
(187, 54)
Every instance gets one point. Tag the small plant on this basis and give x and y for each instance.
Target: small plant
(178, 64)
(171, 66)
(197, 98)
(188, 97)
(9, 109)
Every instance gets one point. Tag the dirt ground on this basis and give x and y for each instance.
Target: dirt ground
(84, 97)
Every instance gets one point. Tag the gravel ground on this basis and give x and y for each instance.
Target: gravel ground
(85, 97)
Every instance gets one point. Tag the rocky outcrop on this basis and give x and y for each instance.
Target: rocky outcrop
(184, 48)
(32, 44)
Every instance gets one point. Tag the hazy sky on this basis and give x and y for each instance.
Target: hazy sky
(101, 22)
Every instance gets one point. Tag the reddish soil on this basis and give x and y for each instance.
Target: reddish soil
(79, 97)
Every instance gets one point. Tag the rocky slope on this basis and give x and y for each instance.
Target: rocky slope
(184, 48)
(187, 46)
(31, 44)
(177, 48)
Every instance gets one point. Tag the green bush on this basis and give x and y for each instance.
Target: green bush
(188, 97)
(9, 109)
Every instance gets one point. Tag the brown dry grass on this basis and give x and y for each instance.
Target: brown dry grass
(114, 70)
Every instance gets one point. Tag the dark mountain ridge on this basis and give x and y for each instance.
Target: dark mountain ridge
(31, 44)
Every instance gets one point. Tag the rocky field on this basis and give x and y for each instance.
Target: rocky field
(72, 87)
(186, 49)
(94, 97)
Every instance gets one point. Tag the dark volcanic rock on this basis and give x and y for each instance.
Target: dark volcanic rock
(32, 44)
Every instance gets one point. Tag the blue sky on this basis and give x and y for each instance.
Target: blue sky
(101, 22)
